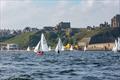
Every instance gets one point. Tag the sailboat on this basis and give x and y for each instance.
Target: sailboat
(59, 46)
(116, 48)
(28, 49)
(85, 48)
(41, 46)
(49, 48)
(71, 48)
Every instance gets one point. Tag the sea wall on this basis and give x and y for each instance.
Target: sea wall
(100, 46)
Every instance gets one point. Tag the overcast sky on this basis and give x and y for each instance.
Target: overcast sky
(17, 14)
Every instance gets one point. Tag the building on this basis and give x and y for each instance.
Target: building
(115, 21)
(89, 28)
(3, 46)
(5, 33)
(12, 47)
(34, 29)
(63, 25)
(29, 29)
(48, 28)
(105, 24)
(75, 29)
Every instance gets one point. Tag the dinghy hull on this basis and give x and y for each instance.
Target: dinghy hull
(40, 53)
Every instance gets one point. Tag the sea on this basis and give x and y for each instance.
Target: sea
(67, 65)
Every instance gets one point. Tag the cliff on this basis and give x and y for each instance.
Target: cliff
(107, 35)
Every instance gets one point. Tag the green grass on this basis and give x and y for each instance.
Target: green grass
(22, 39)
(32, 38)
(89, 33)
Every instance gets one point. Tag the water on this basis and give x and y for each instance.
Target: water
(77, 65)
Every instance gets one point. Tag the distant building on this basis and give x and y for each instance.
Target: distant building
(12, 47)
(3, 46)
(29, 29)
(105, 24)
(63, 25)
(34, 29)
(48, 28)
(89, 28)
(5, 33)
(75, 29)
(115, 21)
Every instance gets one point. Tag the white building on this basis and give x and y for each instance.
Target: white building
(12, 47)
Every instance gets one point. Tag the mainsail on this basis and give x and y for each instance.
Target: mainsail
(118, 44)
(71, 48)
(115, 46)
(59, 46)
(28, 49)
(49, 48)
(42, 44)
(37, 48)
(85, 48)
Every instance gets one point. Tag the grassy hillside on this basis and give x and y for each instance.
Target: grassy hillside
(22, 40)
(51, 38)
(106, 35)
(85, 33)
(97, 35)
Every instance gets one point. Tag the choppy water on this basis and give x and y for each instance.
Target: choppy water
(75, 65)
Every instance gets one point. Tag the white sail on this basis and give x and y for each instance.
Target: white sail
(28, 49)
(115, 46)
(118, 44)
(49, 48)
(59, 46)
(37, 48)
(62, 48)
(42, 44)
(71, 48)
(85, 48)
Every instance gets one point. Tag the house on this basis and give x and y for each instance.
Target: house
(63, 26)
(12, 47)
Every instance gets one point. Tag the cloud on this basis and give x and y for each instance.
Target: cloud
(19, 14)
(90, 3)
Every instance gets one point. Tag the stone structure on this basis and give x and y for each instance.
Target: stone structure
(100, 46)
(84, 42)
(115, 21)
(63, 25)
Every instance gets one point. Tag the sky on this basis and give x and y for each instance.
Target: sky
(18, 14)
